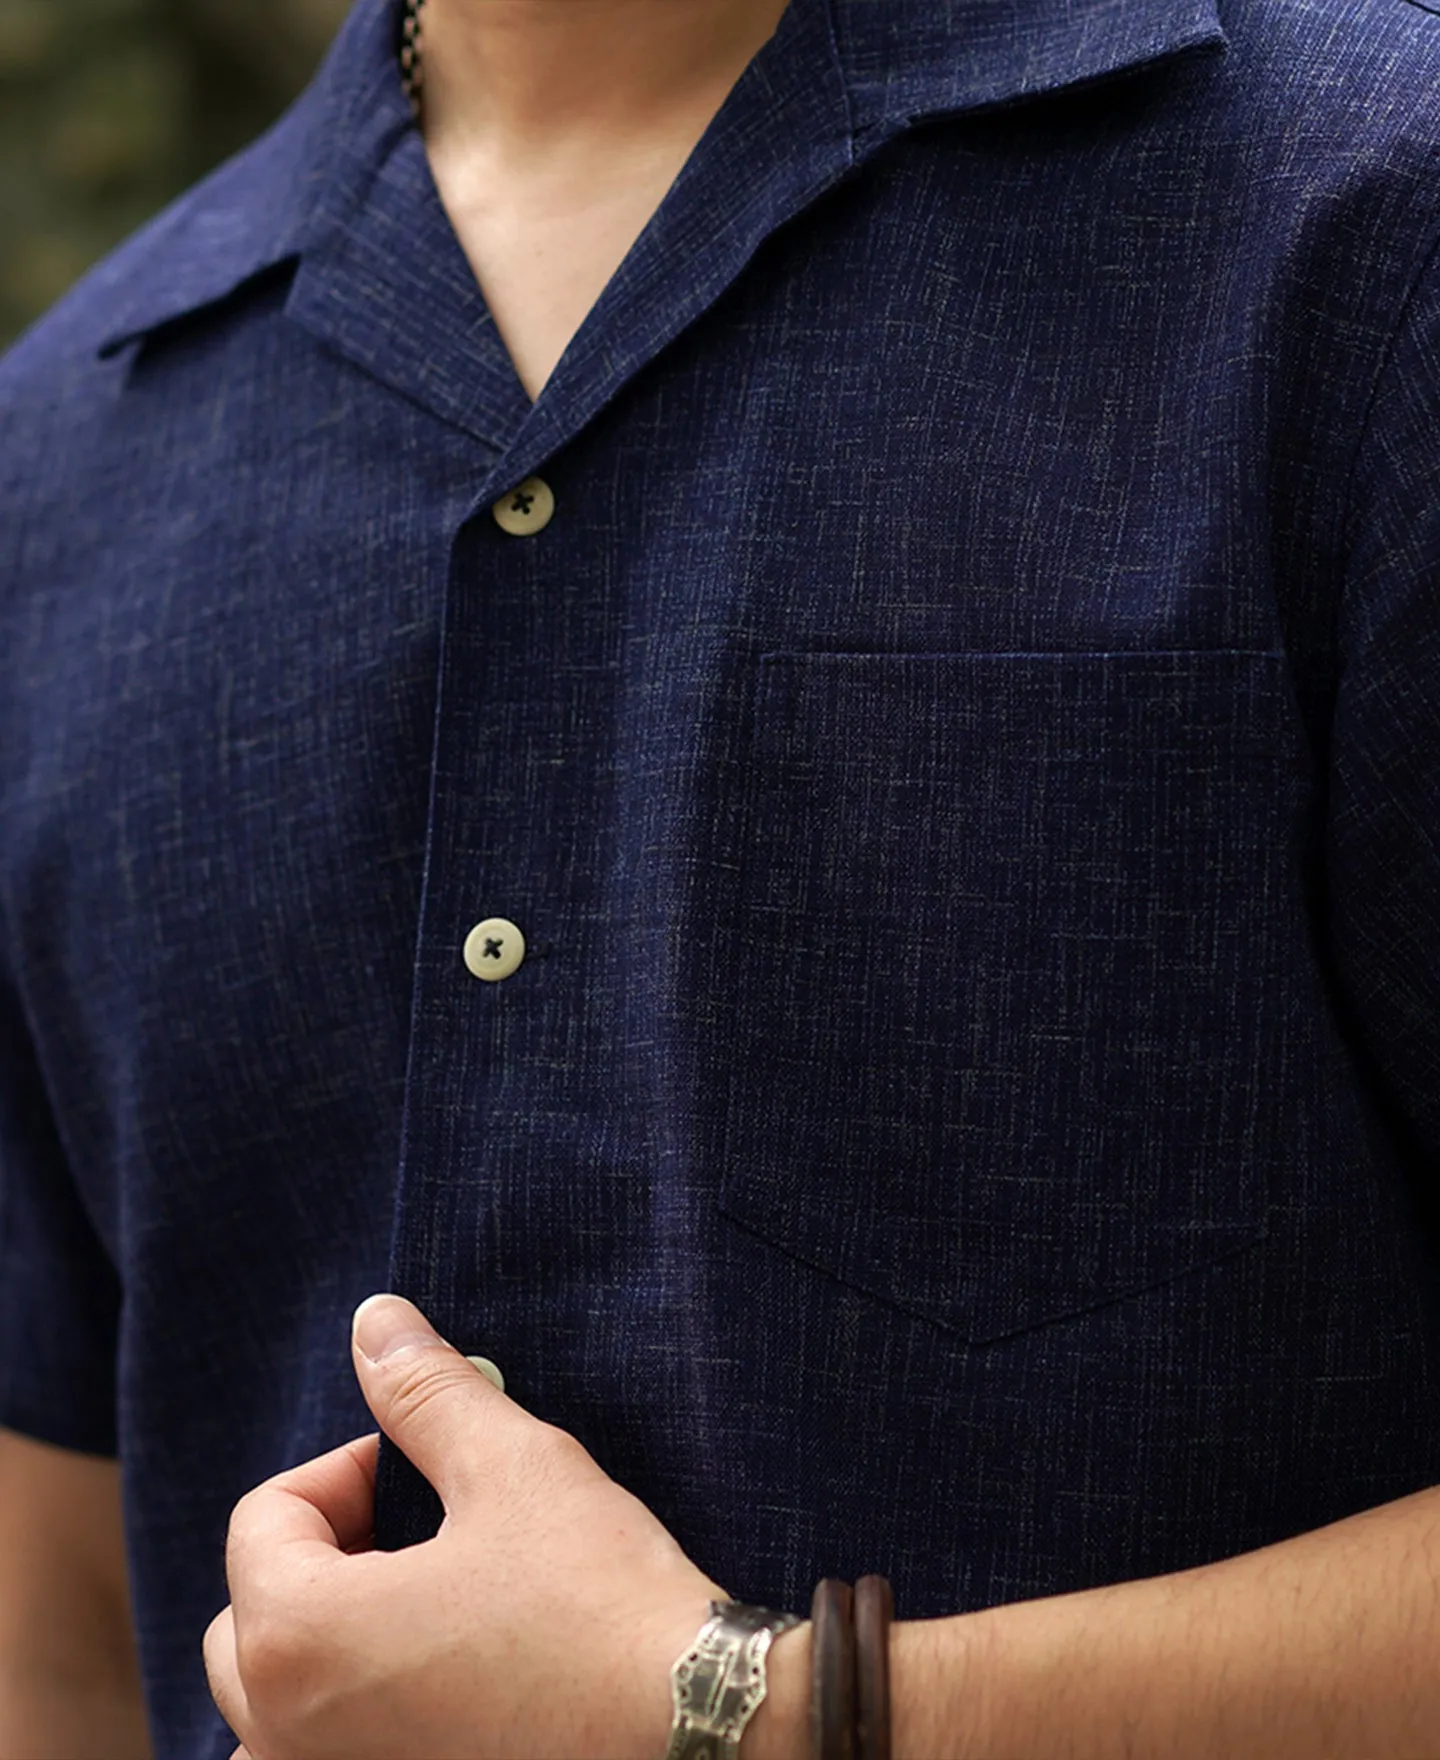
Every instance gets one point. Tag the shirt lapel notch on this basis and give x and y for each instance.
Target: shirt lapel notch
(228, 232)
(267, 206)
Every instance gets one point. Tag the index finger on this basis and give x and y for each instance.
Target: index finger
(325, 1507)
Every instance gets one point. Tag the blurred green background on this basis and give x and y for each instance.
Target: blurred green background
(110, 107)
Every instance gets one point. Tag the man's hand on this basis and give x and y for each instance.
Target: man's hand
(541, 1620)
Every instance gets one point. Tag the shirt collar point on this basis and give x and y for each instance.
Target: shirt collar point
(908, 59)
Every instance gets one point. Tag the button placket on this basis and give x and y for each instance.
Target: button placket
(469, 1048)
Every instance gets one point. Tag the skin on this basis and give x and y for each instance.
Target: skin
(69, 1682)
(551, 79)
(543, 1618)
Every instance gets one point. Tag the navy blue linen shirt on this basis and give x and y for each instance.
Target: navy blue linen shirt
(963, 755)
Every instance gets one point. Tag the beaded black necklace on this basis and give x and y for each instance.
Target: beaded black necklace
(412, 70)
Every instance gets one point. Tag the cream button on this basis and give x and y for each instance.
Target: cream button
(489, 1370)
(526, 510)
(494, 949)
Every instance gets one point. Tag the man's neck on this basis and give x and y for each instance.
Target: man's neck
(525, 77)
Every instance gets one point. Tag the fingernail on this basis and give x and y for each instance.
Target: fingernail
(386, 1324)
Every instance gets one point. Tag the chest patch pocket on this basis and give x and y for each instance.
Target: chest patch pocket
(1019, 931)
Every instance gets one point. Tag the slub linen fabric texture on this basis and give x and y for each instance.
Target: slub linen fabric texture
(963, 755)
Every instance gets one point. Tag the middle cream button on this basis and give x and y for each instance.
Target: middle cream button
(494, 949)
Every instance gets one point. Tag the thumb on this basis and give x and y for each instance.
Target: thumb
(428, 1399)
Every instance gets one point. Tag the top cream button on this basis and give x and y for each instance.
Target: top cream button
(526, 510)
(494, 949)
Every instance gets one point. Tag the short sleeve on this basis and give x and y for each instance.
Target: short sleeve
(1384, 824)
(59, 1291)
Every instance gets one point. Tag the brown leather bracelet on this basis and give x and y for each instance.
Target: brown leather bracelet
(874, 1611)
(832, 1694)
